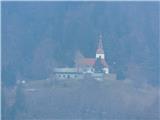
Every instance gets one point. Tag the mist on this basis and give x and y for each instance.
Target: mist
(40, 36)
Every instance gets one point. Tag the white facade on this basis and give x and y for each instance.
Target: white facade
(100, 56)
(86, 70)
(67, 73)
(63, 76)
(66, 69)
(106, 70)
(79, 72)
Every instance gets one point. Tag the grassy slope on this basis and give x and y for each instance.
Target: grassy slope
(89, 99)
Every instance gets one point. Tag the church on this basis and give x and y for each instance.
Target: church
(88, 64)
(96, 67)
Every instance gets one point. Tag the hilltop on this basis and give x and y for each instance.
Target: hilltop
(88, 99)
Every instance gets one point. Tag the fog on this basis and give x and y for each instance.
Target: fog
(40, 36)
(86, 99)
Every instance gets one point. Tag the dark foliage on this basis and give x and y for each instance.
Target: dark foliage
(8, 76)
(130, 35)
(98, 66)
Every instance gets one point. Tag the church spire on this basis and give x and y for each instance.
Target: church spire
(100, 45)
(100, 51)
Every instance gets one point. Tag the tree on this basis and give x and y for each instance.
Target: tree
(43, 59)
(8, 76)
(98, 66)
(20, 97)
(78, 56)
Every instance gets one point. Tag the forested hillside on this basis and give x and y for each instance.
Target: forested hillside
(38, 36)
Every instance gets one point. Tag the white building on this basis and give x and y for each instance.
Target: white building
(85, 65)
(67, 73)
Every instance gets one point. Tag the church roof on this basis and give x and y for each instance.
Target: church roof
(87, 61)
(100, 51)
(91, 62)
(100, 46)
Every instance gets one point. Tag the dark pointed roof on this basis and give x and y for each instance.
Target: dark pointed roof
(100, 46)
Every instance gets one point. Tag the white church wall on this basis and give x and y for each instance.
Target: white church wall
(100, 56)
(64, 76)
(106, 70)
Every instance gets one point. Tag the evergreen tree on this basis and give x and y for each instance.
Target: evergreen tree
(98, 66)
(8, 76)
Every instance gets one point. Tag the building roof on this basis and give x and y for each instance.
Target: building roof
(65, 70)
(90, 62)
(100, 46)
(100, 51)
(87, 61)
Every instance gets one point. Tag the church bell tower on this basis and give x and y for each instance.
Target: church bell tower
(100, 51)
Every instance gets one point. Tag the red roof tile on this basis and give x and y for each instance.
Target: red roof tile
(87, 61)
(90, 62)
